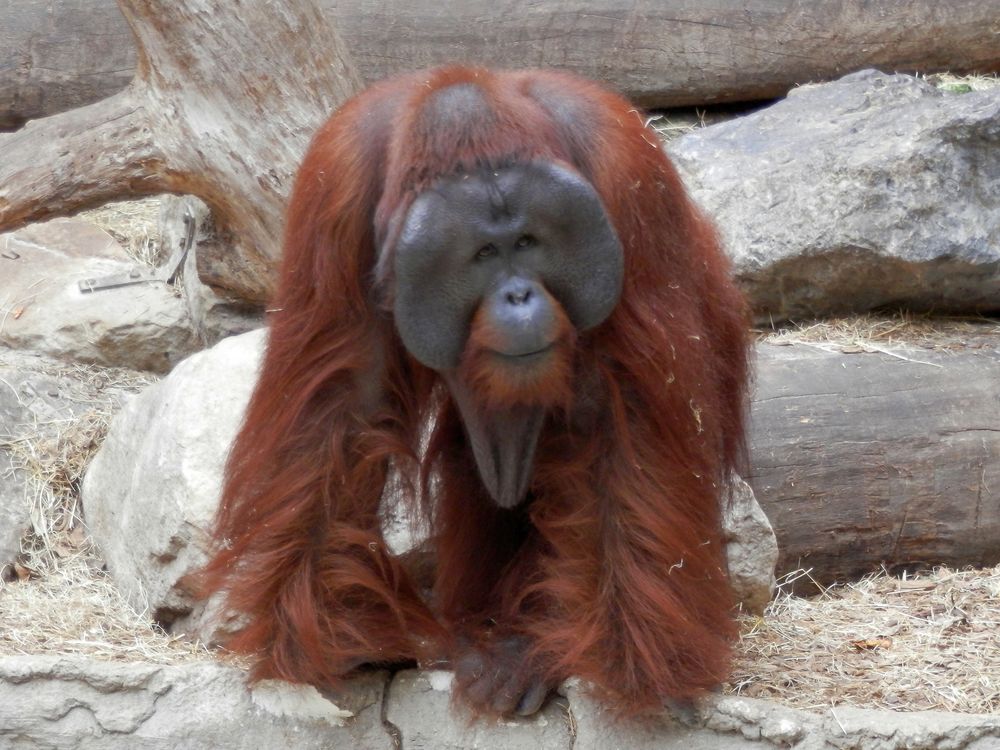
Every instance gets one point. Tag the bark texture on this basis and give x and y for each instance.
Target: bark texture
(865, 459)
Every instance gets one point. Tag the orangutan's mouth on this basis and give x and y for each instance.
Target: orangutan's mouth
(532, 356)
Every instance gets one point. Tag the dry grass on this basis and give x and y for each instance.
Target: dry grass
(134, 224)
(61, 601)
(674, 124)
(74, 608)
(874, 333)
(964, 84)
(53, 456)
(930, 642)
(54, 462)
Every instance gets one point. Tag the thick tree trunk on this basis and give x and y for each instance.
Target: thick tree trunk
(867, 459)
(225, 99)
(659, 52)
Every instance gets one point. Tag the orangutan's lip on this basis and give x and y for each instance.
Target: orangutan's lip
(537, 354)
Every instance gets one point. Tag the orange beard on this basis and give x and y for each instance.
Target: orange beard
(500, 381)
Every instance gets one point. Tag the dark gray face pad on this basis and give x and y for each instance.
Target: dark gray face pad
(440, 278)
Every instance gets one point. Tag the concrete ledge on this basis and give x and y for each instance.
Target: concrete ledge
(73, 702)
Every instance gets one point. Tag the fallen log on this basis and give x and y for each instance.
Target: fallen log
(56, 56)
(878, 458)
(659, 52)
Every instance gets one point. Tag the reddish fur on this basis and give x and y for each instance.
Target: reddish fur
(614, 571)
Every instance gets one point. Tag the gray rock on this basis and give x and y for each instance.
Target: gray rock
(734, 723)
(14, 506)
(706, 727)
(78, 704)
(14, 511)
(14, 514)
(931, 729)
(83, 704)
(141, 326)
(150, 494)
(875, 190)
(751, 548)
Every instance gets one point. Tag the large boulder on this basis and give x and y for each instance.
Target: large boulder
(151, 492)
(873, 191)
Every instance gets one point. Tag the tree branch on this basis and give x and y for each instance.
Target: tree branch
(79, 159)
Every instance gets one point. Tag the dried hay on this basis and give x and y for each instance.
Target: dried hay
(53, 456)
(881, 332)
(55, 464)
(674, 124)
(62, 602)
(928, 642)
(75, 608)
(134, 224)
(963, 84)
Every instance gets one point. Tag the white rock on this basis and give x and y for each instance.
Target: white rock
(150, 495)
(141, 326)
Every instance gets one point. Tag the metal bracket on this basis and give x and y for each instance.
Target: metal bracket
(135, 276)
(176, 261)
(165, 273)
